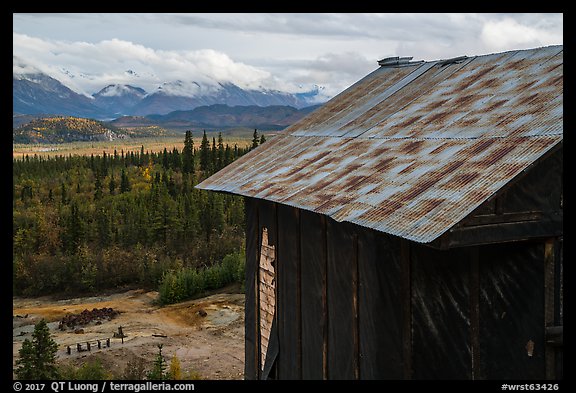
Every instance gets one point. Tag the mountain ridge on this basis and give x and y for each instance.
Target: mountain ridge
(273, 117)
(40, 94)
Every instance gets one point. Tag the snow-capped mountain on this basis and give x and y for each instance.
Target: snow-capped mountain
(186, 96)
(38, 93)
(118, 100)
(116, 91)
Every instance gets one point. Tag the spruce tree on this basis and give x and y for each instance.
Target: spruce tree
(103, 219)
(220, 160)
(227, 155)
(255, 139)
(104, 165)
(112, 185)
(97, 188)
(158, 369)
(64, 193)
(185, 186)
(165, 161)
(176, 160)
(26, 192)
(172, 187)
(188, 152)
(204, 153)
(74, 228)
(37, 358)
(141, 158)
(124, 182)
(213, 156)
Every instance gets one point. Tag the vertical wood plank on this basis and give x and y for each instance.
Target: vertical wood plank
(251, 331)
(549, 294)
(512, 311)
(380, 306)
(325, 318)
(312, 309)
(406, 299)
(355, 291)
(288, 311)
(559, 301)
(440, 313)
(340, 301)
(475, 312)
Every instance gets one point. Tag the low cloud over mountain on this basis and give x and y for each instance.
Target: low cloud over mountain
(35, 92)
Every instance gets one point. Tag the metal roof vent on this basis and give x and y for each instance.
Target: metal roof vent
(394, 61)
(454, 60)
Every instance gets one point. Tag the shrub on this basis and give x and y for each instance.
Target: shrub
(135, 370)
(90, 371)
(175, 371)
(188, 282)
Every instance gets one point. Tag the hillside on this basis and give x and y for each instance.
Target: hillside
(60, 129)
(65, 129)
(19, 119)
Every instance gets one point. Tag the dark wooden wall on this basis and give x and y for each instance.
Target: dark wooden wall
(353, 303)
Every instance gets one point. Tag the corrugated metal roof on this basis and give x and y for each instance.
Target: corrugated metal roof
(412, 150)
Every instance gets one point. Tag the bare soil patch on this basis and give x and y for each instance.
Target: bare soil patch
(206, 334)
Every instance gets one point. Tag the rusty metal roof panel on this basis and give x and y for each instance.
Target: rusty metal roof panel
(359, 95)
(483, 92)
(412, 150)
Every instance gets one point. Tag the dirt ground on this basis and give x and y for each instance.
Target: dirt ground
(206, 334)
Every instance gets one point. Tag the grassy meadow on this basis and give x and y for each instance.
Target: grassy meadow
(151, 144)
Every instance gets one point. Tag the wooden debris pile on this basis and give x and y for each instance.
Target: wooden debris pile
(85, 317)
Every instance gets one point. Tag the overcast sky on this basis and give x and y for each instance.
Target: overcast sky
(290, 52)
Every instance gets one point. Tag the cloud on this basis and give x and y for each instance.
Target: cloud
(87, 67)
(287, 52)
(19, 67)
(509, 33)
(333, 71)
(325, 25)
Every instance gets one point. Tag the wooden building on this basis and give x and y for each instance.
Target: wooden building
(411, 227)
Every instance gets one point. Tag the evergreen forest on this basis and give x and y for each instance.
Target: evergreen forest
(83, 224)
